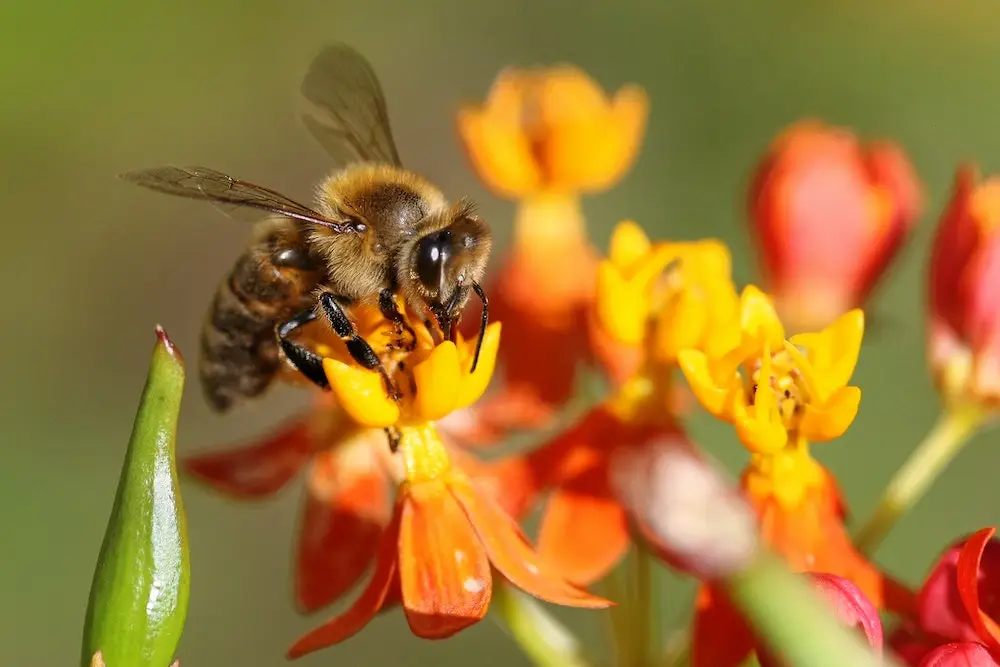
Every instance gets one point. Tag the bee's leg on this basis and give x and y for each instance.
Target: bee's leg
(356, 345)
(394, 437)
(482, 324)
(387, 304)
(305, 360)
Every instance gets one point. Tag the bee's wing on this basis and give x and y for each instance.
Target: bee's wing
(227, 193)
(343, 107)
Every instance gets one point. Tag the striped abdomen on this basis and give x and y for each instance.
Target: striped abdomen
(270, 282)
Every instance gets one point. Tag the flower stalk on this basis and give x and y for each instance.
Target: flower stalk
(545, 641)
(955, 426)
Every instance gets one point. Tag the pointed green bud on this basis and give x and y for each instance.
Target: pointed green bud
(139, 596)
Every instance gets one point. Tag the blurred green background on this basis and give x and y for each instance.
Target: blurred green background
(89, 264)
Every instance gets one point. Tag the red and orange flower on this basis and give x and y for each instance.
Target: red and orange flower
(652, 299)
(964, 328)
(780, 395)
(544, 137)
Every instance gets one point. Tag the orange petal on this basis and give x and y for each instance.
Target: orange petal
(584, 530)
(511, 554)
(341, 526)
(967, 576)
(443, 568)
(576, 449)
(720, 636)
(260, 469)
(352, 621)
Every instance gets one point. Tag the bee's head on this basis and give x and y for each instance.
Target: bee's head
(445, 262)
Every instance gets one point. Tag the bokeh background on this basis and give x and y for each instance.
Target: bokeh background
(89, 264)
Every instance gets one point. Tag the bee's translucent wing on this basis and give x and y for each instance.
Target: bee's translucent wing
(227, 193)
(343, 107)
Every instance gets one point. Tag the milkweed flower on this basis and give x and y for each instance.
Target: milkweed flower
(655, 298)
(780, 395)
(544, 137)
(444, 536)
(964, 327)
(957, 621)
(348, 470)
(828, 215)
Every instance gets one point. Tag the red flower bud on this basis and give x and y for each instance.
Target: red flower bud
(828, 215)
(961, 654)
(851, 607)
(964, 330)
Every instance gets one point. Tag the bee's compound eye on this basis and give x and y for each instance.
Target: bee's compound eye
(432, 253)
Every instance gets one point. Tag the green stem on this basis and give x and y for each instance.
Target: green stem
(545, 641)
(788, 615)
(642, 577)
(618, 615)
(945, 440)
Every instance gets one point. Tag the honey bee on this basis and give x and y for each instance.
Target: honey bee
(378, 231)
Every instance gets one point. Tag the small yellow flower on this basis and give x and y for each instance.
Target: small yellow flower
(672, 296)
(806, 377)
(552, 129)
(434, 381)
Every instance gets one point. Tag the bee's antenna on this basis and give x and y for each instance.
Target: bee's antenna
(482, 326)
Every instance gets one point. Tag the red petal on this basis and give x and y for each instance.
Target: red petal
(342, 523)
(963, 654)
(443, 568)
(584, 530)
(940, 609)
(968, 573)
(720, 636)
(510, 552)
(851, 606)
(260, 469)
(352, 621)
(581, 447)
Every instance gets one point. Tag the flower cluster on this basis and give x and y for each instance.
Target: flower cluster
(668, 330)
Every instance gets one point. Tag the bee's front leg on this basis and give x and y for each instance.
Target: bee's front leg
(387, 304)
(359, 348)
(305, 360)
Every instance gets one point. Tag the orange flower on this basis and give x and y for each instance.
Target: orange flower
(649, 299)
(964, 331)
(347, 503)
(553, 130)
(790, 391)
(436, 554)
(439, 548)
(828, 216)
(545, 137)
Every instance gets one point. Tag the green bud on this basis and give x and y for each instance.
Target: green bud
(139, 596)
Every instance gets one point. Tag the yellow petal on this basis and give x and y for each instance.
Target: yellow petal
(629, 244)
(758, 318)
(714, 398)
(473, 385)
(362, 394)
(621, 305)
(831, 419)
(834, 351)
(759, 432)
(437, 379)
(680, 326)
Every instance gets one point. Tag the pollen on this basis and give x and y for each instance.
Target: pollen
(786, 384)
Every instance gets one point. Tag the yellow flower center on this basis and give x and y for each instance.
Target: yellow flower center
(425, 458)
(786, 390)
